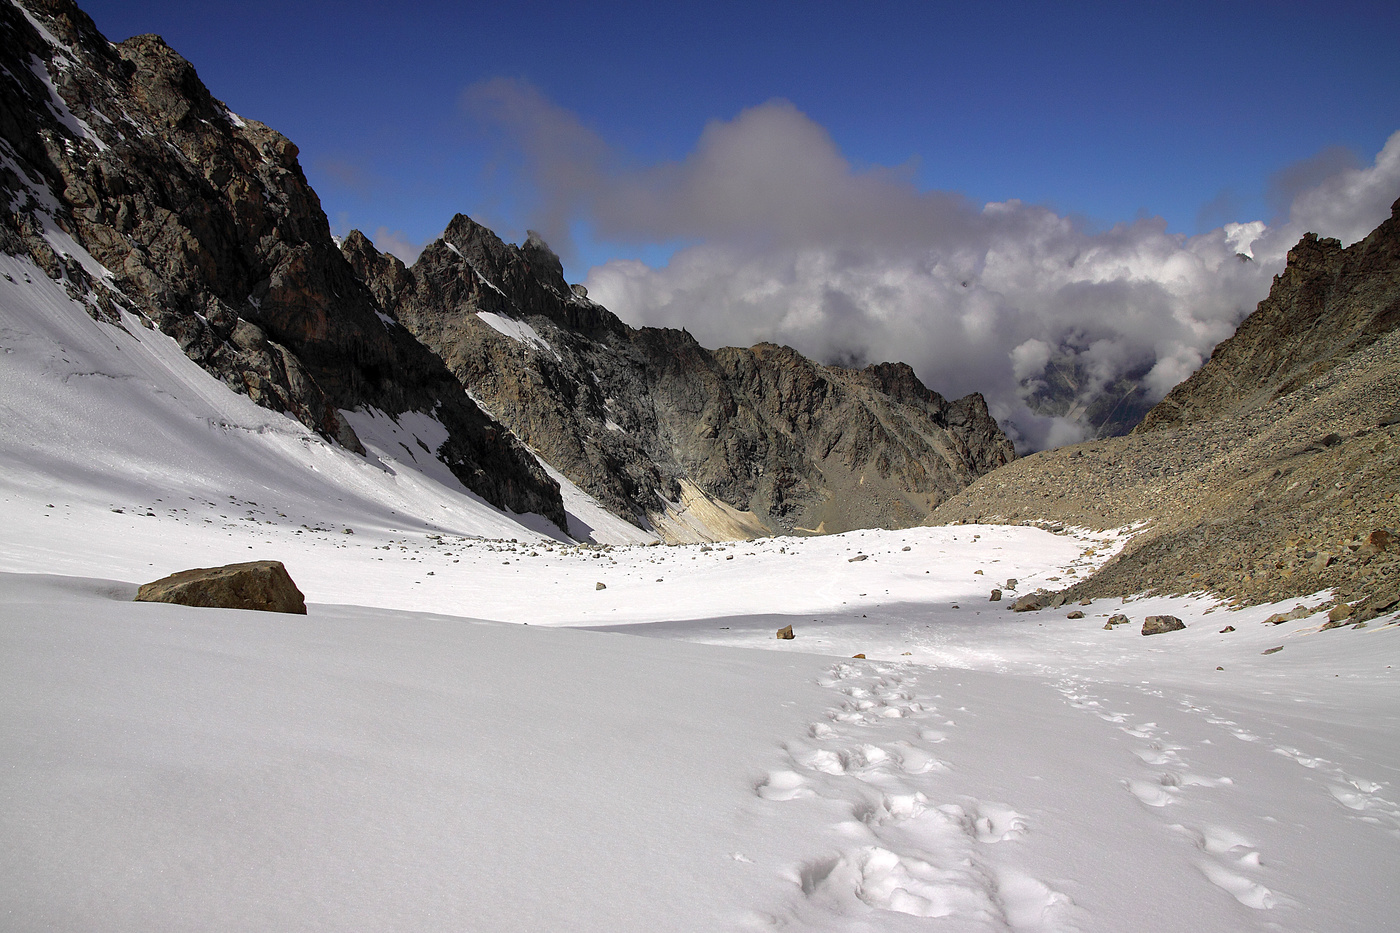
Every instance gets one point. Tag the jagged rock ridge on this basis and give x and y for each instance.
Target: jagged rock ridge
(1265, 474)
(654, 425)
(212, 234)
(1327, 304)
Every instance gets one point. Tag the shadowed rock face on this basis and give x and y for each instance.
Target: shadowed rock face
(264, 585)
(632, 414)
(1273, 472)
(213, 235)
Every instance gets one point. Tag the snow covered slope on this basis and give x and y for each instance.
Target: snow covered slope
(378, 769)
(123, 415)
(393, 762)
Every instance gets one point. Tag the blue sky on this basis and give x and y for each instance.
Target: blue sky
(1104, 111)
(985, 191)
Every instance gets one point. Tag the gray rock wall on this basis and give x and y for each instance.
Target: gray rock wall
(628, 413)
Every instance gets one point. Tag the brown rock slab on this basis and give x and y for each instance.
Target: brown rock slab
(996, 596)
(1076, 614)
(1031, 602)
(1158, 625)
(262, 585)
(786, 632)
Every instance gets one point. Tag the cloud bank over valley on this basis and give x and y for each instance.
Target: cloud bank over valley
(778, 237)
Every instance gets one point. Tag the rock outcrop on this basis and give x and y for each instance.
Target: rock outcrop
(695, 443)
(212, 234)
(1273, 472)
(263, 585)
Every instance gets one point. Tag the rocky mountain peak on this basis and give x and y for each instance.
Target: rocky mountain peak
(543, 264)
(1328, 303)
(210, 232)
(653, 425)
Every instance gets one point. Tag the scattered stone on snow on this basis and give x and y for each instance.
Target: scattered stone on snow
(1117, 619)
(600, 586)
(1076, 614)
(1031, 602)
(1297, 612)
(1227, 629)
(786, 632)
(996, 594)
(1272, 650)
(262, 585)
(861, 656)
(856, 558)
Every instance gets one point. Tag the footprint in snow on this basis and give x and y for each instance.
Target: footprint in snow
(1153, 793)
(917, 857)
(784, 785)
(1247, 892)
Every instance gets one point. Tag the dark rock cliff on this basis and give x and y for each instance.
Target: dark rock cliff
(212, 234)
(633, 415)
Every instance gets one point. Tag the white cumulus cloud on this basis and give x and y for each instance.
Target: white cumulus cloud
(791, 243)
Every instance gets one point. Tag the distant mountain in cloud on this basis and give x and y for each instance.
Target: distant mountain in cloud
(789, 242)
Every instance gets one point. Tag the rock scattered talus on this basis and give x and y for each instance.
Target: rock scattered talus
(213, 235)
(1273, 472)
(261, 584)
(651, 423)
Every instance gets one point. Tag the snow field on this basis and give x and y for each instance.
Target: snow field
(392, 761)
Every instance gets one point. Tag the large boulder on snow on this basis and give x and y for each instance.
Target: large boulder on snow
(258, 584)
(1160, 625)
